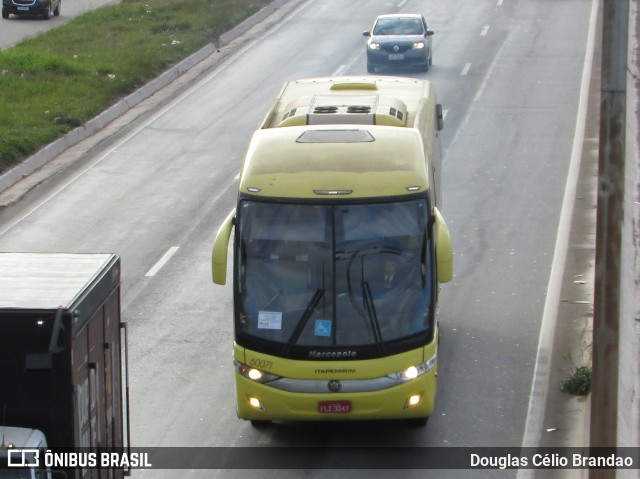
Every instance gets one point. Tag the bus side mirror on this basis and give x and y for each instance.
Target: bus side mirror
(444, 250)
(220, 248)
(439, 117)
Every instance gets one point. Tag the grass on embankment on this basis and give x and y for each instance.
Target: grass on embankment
(59, 80)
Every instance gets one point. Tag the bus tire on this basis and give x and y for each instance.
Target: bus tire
(260, 424)
(418, 421)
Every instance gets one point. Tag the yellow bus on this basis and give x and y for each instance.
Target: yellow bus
(338, 252)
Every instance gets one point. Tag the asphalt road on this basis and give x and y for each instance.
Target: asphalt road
(508, 73)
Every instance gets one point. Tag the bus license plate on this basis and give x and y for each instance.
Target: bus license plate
(334, 406)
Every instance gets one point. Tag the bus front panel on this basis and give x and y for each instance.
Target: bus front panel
(401, 386)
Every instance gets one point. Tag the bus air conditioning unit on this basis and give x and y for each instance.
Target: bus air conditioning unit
(345, 110)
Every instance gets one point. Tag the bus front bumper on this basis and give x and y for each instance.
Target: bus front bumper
(409, 400)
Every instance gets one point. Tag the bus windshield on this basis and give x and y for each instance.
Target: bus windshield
(314, 276)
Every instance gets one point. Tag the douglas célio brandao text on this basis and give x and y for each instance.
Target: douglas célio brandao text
(550, 461)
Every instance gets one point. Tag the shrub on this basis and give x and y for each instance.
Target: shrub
(578, 382)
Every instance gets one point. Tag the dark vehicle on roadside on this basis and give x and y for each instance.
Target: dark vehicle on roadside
(45, 8)
(399, 40)
(63, 357)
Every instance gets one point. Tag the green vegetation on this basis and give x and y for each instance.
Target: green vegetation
(59, 80)
(578, 382)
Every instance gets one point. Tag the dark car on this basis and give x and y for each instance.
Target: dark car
(399, 40)
(45, 8)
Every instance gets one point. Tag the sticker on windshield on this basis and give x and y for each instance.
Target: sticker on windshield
(269, 320)
(323, 327)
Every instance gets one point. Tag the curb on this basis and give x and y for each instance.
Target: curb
(50, 151)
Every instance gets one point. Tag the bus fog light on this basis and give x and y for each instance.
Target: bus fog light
(413, 400)
(256, 403)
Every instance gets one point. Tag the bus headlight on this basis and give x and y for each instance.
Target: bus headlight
(254, 374)
(413, 372)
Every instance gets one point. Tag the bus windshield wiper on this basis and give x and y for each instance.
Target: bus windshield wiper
(373, 317)
(369, 305)
(304, 319)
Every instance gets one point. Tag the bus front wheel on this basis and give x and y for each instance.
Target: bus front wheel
(418, 421)
(260, 424)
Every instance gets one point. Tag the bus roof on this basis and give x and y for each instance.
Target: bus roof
(375, 94)
(329, 161)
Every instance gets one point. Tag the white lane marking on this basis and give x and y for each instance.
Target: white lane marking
(499, 4)
(540, 384)
(484, 31)
(162, 261)
(342, 68)
(465, 70)
(339, 70)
